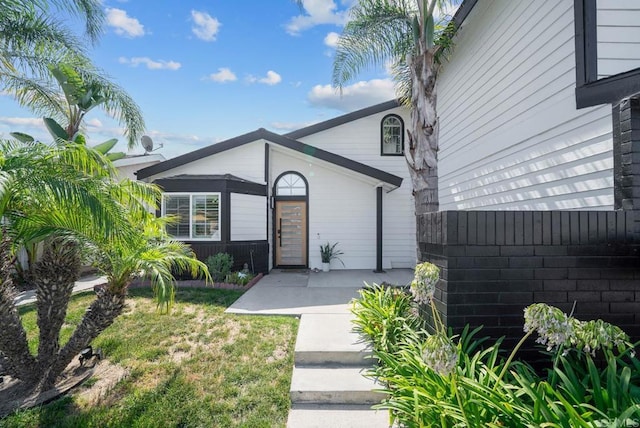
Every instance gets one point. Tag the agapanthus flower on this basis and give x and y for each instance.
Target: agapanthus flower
(553, 326)
(597, 334)
(424, 282)
(440, 354)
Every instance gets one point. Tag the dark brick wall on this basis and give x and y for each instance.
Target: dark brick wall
(626, 154)
(495, 263)
(242, 252)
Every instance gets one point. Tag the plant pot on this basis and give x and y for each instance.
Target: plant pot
(325, 267)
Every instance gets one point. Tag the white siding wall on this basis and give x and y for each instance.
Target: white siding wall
(248, 217)
(510, 135)
(246, 162)
(618, 36)
(342, 208)
(360, 141)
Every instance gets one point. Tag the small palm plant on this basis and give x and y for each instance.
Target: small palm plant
(329, 252)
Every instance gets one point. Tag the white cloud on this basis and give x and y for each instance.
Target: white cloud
(94, 123)
(151, 64)
(178, 144)
(331, 39)
(318, 12)
(289, 126)
(223, 75)
(123, 24)
(353, 97)
(205, 27)
(272, 78)
(29, 122)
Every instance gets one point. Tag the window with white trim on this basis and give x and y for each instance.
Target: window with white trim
(392, 136)
(197, 215)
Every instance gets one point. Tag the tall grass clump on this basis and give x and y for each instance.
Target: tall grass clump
(435, 378)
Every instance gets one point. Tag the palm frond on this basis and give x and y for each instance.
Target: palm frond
(378, 31)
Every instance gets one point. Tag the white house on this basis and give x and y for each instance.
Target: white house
(525, 113)
(272, 200)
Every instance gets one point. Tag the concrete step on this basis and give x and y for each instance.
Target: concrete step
(335, 385)
(336, 416)
(327, 339)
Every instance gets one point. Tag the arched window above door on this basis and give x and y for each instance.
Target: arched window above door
(291, 184)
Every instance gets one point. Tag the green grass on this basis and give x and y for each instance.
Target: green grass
(196, 367)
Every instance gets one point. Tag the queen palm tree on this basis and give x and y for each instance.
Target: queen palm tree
(407, 35)
(151, 254)
(50, 192)
(32, 47)
(69, 197)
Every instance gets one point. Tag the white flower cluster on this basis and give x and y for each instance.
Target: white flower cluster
(553, 326)
(440, 354)
(596, 334)
(424, 282)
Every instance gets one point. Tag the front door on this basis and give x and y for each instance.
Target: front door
(291, 233)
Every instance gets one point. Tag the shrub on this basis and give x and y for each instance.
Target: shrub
(239, 278)
(383, 315)
(219, 265)
(448, 381)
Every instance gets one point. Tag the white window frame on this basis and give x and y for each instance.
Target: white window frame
(399, 145)
(191, 195)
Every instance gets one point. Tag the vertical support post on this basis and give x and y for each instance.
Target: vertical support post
(226, 217)
(379, 230)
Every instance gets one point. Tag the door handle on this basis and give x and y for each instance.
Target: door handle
(280, 232)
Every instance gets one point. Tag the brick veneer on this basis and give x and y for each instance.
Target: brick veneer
(495, 263)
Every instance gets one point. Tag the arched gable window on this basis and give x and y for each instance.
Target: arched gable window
(392, 136)
(291, 184)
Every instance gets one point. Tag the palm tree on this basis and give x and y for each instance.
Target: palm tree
(68, 197)
(32, 45)
(406, 34)
(151, 254)
(50, 192)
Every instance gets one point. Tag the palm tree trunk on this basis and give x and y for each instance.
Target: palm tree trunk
(15, 358)
(54, 277)
(422, 156)
(422, 153)
(100, 315)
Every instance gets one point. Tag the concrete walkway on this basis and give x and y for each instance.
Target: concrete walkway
(328, 388)
(83, 284)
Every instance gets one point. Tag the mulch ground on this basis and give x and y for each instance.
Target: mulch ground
(201, 283)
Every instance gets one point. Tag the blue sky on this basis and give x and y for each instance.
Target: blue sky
(204, 71)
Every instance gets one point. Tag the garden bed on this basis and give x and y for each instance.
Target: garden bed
(201, 283)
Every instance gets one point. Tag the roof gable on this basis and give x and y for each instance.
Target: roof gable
(341, 120)
(263, 134)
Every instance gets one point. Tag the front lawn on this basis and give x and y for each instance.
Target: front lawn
(196, 367)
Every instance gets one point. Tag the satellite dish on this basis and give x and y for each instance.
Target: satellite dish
(147, 143)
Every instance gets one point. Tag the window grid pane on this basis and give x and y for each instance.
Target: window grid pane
(291, 185)
(178, 207)
(206, 214)
(392, 136)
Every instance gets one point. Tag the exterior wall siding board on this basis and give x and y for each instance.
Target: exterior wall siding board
(255, 253)
(511, 137)
(491, 283)
(248, 217)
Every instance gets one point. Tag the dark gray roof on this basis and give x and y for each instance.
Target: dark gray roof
(228, 177)
(276, 139)
(341, 120)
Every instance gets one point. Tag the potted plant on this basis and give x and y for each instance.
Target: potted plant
(329, 252)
